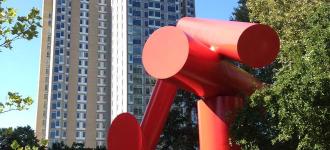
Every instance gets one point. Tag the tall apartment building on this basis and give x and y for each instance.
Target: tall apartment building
(133, 21)
(74, 94)
(90, 66)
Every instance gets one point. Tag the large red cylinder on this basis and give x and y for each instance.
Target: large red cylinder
(170, 54)
(253, 44)
(125, 133)
(157, 111)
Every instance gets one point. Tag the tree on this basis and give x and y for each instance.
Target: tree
(59, 146)
(293, 112)
(15, 102)
(20, 137)
(100, 148)
(13, 27)
(180, 132)
(75, 146)
(241, 13)
(78, 146)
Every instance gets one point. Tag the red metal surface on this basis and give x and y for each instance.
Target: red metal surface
(253, 44)
(125, 133)
(197, 69)
(192, 56)
(157, 112)
(214, 118)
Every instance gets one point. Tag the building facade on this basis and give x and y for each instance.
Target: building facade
(133, 21)
(90, 64)
(74, 99)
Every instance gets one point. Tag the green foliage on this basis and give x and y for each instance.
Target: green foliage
(241, 13)
(59, 146)
(180, 132)
(15, 102)
(74, 146)
(20, 138)
(78, 146)
(294, 112)
(15, 145)
(13, 27)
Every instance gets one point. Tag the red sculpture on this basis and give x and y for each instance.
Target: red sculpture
(193, 56)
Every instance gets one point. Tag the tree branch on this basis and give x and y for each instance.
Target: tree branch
(13, 109)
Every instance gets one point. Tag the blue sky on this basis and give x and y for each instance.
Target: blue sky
(19, 67)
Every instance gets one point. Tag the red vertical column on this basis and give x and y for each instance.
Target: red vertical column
(214, 118)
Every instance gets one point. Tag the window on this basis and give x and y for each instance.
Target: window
(151, 22)
(54, 96)
(52, 134)
(136, 13)
(54, 86)
(157, 23)
(137, 60)
(171, 8)
(53, 115)
(57, 133)
(58, 114)
(57, 35)
(147, 90)
(53, 105)
(157, 5)
(136, 22)
(136, 41)
(52, 125)
(137, 80)
(172, 17)
(157, 14)
(57, 123)
(58, 104)
(138, 100)
(137, 90)
(151, 4)
(137, 111)
(151, 13)
(136, 4)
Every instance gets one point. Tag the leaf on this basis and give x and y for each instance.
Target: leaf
(15, 145)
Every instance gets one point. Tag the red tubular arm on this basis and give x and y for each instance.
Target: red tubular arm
(157, 111)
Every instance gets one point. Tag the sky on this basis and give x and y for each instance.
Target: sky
(19, 67)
